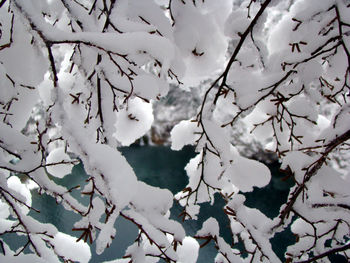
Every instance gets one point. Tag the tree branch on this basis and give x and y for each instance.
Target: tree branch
(326, 254)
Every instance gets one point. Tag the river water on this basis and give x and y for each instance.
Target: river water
(162, 167)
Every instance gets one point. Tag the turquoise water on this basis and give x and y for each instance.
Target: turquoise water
(162, 167)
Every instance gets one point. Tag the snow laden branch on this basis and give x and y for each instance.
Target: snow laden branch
(283, 75)
(78, 79)
(95, 67)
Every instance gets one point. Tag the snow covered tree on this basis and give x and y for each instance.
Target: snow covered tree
(93, 68)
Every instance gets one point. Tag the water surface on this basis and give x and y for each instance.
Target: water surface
(162, 167)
